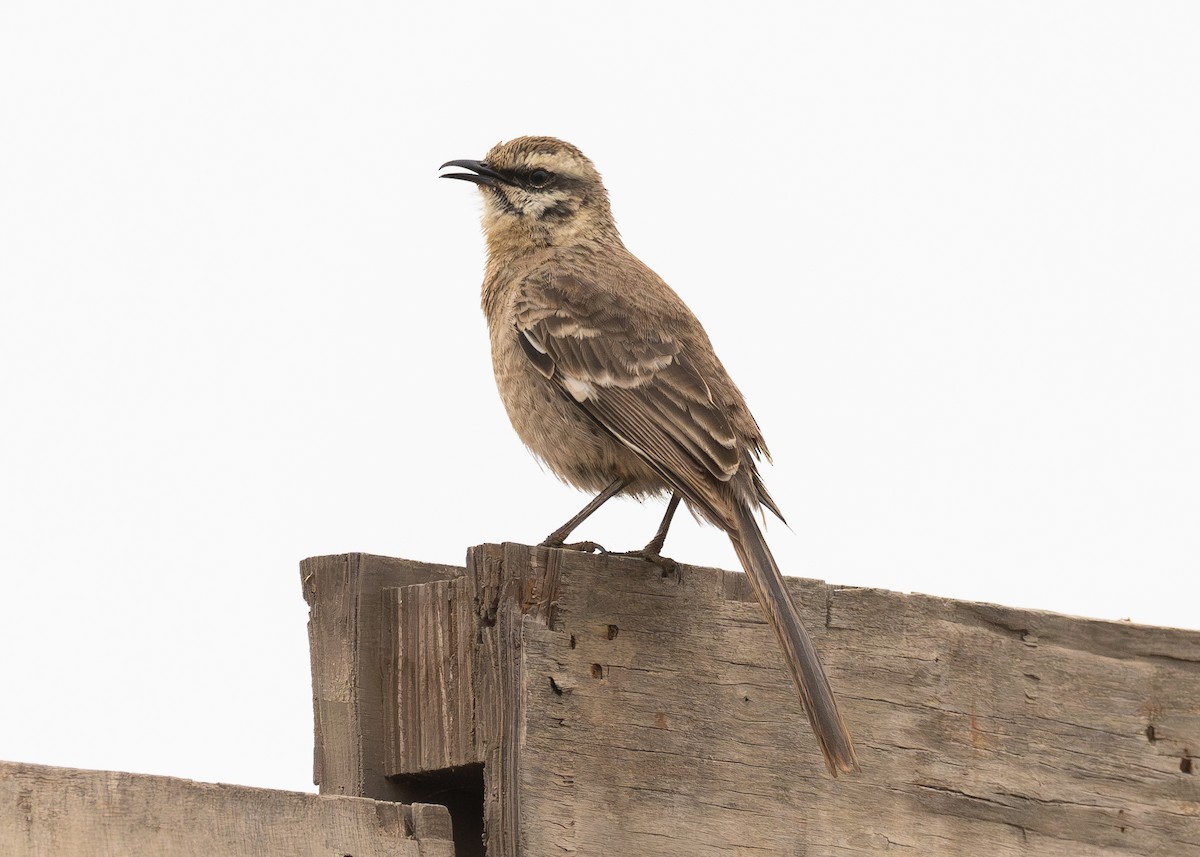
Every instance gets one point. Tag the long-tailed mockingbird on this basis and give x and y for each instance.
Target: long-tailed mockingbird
(609, 378)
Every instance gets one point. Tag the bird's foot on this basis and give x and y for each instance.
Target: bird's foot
(582, 547)
(667, 564)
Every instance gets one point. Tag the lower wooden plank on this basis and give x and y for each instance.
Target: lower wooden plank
(64, 812)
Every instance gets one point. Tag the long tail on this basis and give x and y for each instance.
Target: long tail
(801, 655)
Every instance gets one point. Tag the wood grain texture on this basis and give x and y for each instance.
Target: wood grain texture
(1013, 731)
(427, 677)
(64, 812)
(621, 709)
(511, 586)
(346, 608)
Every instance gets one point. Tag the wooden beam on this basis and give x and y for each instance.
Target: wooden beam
(427, 679)
(345, 596)
(53, 812)
(512, 585)
(620, 710)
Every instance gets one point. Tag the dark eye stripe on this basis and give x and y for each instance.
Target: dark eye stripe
(559, 211)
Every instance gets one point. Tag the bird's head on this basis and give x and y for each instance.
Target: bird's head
(538, 190)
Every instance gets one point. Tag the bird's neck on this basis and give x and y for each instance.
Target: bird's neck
(512, 255)
(516, 237)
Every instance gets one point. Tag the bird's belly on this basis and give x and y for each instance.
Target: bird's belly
(560, 432)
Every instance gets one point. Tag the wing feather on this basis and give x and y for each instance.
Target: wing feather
(640, 386)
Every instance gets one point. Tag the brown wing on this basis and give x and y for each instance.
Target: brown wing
(638, 384)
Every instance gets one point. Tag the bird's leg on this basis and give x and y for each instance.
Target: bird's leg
(556, 538)
(655, 545)
(652, 552)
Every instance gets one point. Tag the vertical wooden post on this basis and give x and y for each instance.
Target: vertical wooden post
(513, 586)
(345, 595)
(428, 641)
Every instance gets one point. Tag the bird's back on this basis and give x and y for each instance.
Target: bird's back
(636, 306)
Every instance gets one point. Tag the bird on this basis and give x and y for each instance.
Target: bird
(610, 379)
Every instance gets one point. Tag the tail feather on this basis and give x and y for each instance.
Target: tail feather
(803, 662)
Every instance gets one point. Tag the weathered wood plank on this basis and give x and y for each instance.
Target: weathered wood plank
(345, 599)
(427, 677)
(659, 718)
(621, 710)
(64, 812)
(511, 584)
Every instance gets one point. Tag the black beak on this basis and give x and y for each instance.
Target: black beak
(481, 173)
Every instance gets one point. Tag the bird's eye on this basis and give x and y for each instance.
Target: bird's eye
(540, 178)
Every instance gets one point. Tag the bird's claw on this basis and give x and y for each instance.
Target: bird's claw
(582, 547)
(667, 564)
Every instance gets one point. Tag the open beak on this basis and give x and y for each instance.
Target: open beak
(481, 173)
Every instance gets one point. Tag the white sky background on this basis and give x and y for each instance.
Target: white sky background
(947, 250)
